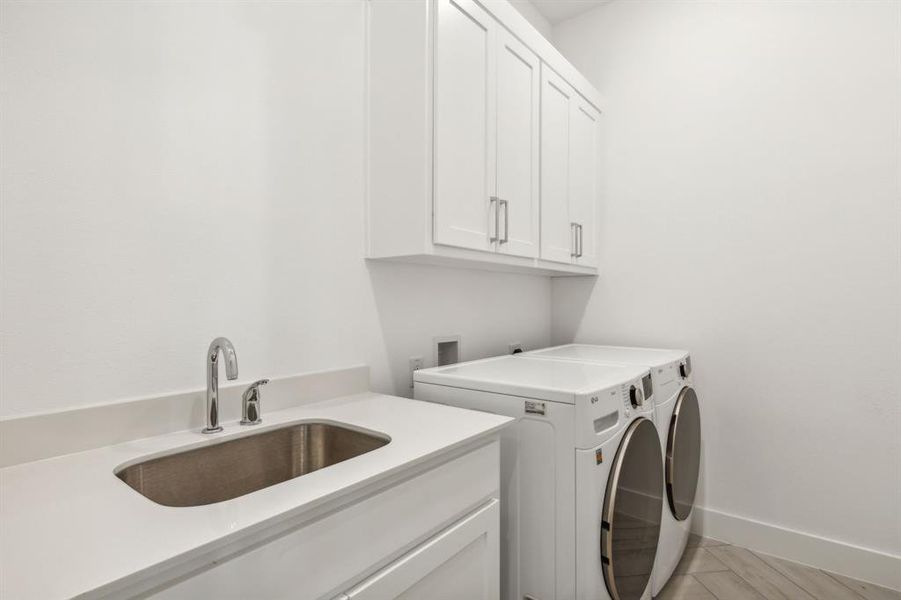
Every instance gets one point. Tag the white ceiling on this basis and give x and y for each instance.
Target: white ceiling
(561, 10)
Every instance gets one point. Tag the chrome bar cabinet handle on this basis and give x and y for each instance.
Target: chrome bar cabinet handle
(574, 239)
(494, 201)
(580, 241)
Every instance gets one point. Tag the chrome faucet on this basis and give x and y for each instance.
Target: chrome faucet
(212, 379)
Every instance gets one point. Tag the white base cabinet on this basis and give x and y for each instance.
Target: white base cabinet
(460, 562)
(455, 141)
(432, 536)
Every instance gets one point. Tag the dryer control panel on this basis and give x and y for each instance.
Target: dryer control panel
(670, 378)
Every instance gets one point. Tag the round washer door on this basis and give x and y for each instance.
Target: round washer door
(633, 505)
(683, 454)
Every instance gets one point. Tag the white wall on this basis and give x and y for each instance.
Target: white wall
(752, 215)
(176, 171)
(533, 16)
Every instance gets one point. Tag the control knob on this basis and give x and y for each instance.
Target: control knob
(636, 397)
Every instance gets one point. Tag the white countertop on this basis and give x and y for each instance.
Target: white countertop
(69, 526)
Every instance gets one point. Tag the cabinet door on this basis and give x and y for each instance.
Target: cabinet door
(465, 125)
(463, 561)
(584, 170)
(557, 237)
(518, 89)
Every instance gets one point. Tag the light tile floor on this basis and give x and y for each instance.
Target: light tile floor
(712, 570)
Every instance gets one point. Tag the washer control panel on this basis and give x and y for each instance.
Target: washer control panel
(647, 384)
(602, 413)
(636, 396)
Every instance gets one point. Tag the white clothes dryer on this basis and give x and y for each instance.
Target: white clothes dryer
(678, 422)
(581, 472)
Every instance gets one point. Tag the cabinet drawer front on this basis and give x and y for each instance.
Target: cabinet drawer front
(464, 125)
(317, 559)
(460, 562)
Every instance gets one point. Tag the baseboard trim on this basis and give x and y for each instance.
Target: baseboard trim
(860, 563)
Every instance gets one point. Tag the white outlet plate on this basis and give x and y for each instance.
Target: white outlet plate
(415, 365)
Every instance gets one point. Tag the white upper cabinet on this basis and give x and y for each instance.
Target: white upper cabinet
(486, 134)
(558, 235)
(569, 173)
(518, 95)
(465, 125)
(584, 176)
(482, 141)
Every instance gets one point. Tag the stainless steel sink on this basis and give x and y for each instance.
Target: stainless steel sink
(236, 467)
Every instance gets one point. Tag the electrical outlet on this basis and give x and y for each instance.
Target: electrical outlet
(415, 365)
(514, 348)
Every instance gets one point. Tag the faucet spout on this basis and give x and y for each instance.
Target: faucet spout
(220, 344)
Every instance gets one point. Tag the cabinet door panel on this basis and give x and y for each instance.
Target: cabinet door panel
(584, 169)
(465, 126)
(519, 86)
(556, 231)
(463, 561)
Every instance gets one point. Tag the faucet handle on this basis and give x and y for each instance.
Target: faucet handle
(256, 385)
(250, 403)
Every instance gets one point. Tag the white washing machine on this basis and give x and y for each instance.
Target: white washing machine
(678, 421)
(581, 472)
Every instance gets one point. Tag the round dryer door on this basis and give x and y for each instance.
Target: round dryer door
(630, 527)
(683, 454)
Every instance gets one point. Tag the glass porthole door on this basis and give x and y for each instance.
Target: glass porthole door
(633, 503)
(683, 454)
